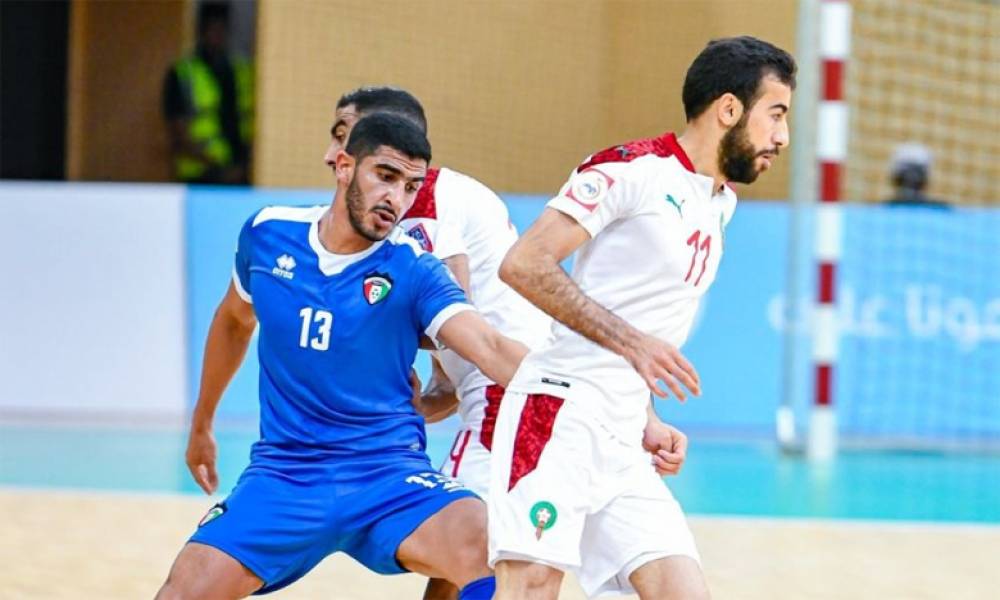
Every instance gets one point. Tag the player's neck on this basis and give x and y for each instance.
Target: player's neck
(702, 148)
(337, 236)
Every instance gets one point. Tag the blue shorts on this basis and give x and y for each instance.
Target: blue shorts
(286, 515)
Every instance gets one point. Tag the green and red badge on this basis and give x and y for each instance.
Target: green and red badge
(543, 516)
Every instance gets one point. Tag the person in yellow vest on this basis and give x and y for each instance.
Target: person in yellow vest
(209, 107)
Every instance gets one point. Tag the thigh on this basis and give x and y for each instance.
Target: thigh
(642, 523)
(205, 572)
(391, 503)
(670, 578)
(450, 544)
(540, 485)
(523, 580)
(276, 527)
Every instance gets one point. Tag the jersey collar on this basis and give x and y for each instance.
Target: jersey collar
(334, 264)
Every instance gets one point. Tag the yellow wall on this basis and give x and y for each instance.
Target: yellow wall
(517, 92)
(119, 52)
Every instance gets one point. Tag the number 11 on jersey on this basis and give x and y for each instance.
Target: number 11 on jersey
(323, 320)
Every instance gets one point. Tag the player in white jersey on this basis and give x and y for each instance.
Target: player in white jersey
(571, 489)
(467, 226)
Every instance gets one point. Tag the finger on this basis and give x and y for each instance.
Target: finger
(200, 473)
(684, 377)
(664, 468)
(685, 371)
(654, 388)
(670, 457)
(680, 444)
(213, 478)
(673, 385)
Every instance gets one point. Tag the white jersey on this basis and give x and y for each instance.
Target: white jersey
(657, 234)
(455, 214)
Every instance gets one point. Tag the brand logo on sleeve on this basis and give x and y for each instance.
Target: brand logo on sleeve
(376, 287)
(677, 205)
(285, 265)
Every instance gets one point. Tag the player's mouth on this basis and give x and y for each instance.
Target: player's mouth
(384, 216)
(768, 156)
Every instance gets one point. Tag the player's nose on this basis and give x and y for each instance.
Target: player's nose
(330, 156)
(781, 138)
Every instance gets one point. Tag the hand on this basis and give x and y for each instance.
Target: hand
(656, 360)
(200, 457)
(417, 385)
(667, 444)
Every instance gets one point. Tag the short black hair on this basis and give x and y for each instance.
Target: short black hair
(386, 99)
(387, 129)
(212, 11)
(735, 65)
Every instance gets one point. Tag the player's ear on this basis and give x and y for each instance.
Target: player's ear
(728, 109)
(345, 164)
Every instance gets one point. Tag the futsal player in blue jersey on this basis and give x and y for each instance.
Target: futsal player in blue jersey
(342, 299)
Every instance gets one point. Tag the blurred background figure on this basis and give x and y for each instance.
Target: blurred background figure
(910, 173)
(208, 104)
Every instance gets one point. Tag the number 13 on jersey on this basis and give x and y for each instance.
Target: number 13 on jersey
(323, 320)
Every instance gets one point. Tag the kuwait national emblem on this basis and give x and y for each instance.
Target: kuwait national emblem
(377, 287)
(543, 516)
(213, 513)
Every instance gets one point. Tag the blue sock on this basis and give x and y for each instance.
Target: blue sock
(480, 589)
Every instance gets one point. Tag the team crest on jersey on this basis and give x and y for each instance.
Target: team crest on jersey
(377, 287)
(543, 516)
(589, 187)
(213, 513)
(420, 234)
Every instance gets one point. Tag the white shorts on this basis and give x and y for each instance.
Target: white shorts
(567, 493)
(469, 458)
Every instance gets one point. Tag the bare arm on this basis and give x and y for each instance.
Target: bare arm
(438, 401)
(228, 338)
(475, 340)
(532, 268)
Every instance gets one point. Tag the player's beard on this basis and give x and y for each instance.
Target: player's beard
(737, 156)
(356, 213)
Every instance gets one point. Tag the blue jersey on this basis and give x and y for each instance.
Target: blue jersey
(338, 334)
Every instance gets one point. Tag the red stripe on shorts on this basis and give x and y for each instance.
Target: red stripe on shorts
(534, 431)
(494, 394)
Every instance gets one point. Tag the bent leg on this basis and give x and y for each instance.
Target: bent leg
(202, 571)
(450, 544)
(669, 578)
(521, 580)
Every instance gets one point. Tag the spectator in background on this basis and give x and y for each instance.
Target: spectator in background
(911, 167)
(208, 105)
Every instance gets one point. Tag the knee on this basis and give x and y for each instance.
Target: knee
(527, 580)
(172, 591)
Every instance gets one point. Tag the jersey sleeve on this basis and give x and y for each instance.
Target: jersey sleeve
(241, 263)
(599, 195)
(448, 242)
(437, 296)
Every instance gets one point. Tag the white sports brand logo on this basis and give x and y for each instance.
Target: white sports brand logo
(285, 265)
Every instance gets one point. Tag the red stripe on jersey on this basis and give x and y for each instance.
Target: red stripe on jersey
(425, 207)
(494, 394)
(534, 430)
(664, 146)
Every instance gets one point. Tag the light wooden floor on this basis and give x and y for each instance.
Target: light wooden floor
(56, 545)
